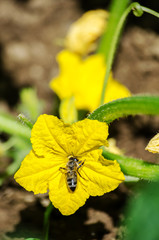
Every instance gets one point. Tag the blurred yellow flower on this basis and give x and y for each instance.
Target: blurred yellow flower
(67, 161)
(85, 31)
(83, 79)
(153, 145)
(112, 147)
(67, 110)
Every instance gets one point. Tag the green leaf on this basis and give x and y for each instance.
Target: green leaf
(142, 214)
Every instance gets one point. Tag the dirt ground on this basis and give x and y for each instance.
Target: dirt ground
(30, 33)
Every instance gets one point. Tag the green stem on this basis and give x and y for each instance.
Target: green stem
(8, 144)
(25, 120)
(109, 48)
(134, 167)
(150, 11)
(138, 10)
(46, 221)
(12, 127)
(133, 105)
(111, 52)
(116, 10)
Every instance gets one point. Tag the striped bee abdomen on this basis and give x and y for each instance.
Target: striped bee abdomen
(71, 171)
(71, 180)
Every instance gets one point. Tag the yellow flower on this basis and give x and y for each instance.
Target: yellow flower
(153, 145)
(62, 152)
(85, 31)
(83, 79)
(68, 112)
(112, 147)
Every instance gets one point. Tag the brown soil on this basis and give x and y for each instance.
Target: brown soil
(30, 33)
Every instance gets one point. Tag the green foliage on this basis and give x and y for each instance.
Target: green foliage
(18, 145)
(32, 239)
(30, 105)
(142, 215)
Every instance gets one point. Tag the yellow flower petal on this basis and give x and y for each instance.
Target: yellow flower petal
(90, 135)
(90, 82)
(85, 31)
(83, 79)
(64, 85)
(36, 172)
(49, 135)
(64, 200)
(115, 90)
(112, 147)
(102, 179)
(68, 111)
(153, 145)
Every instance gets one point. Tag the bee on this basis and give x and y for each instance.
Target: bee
(71, 172)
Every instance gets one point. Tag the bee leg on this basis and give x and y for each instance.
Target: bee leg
(80, 165)
(79, 172)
